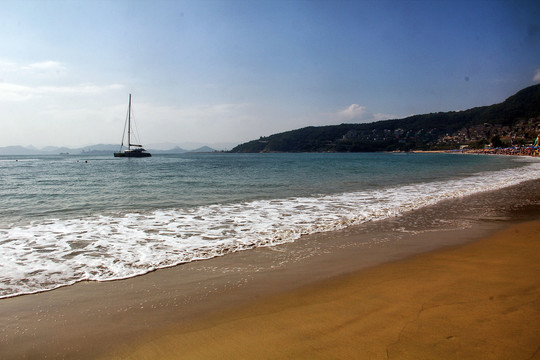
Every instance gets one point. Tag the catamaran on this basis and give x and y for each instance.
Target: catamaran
(133, 150)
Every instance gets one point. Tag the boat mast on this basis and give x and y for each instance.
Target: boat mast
(129, 123)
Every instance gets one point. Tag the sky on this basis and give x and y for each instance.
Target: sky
(223, 72)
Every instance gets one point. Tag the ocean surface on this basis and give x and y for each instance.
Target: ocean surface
(65, 219)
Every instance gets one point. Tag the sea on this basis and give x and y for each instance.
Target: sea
(68, 218)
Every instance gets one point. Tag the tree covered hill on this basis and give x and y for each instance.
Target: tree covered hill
(514, 121)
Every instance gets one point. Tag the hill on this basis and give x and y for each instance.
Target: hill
(19, 150)
(516, 120)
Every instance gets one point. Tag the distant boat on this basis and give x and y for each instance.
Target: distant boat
(133, 150)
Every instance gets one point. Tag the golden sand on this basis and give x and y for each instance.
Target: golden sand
(475, 301)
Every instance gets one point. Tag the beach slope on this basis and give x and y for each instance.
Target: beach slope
(475, 301)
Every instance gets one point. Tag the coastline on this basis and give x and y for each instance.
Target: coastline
(91, 320)
(532, 151)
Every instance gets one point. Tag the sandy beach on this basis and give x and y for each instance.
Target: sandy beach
(457, 280)
(477, 301)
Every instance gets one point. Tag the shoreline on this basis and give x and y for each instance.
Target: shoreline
(530, 151)
(478, 300)
(70, 239)
(91, 320)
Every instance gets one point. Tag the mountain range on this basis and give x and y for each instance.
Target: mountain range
(100, 149)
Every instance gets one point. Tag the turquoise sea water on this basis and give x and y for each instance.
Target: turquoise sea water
(65, 219)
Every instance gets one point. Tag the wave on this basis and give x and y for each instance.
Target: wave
(49, 254)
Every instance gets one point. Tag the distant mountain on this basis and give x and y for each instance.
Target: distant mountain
(175, 150)
(203, 149)
(167, 146)
(55, 149)
(18, 150)
(179, 150)
(514, 121)
(193, 145)
(99, 149)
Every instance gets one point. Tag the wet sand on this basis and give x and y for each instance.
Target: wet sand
(477, 301)
(355, 293)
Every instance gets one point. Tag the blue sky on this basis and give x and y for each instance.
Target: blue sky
(225, 72)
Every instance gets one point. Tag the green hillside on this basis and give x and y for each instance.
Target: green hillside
(516, 120)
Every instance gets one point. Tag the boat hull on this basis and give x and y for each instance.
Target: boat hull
(132, 154)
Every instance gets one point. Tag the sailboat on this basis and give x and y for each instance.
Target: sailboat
(133, 150)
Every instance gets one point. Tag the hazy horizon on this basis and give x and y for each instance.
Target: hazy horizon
(158, 146)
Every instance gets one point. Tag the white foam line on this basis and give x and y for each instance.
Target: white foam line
(54, 253)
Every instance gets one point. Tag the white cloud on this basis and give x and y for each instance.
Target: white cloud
(13, 92)
(45, 65)
(359, 113)
(16, 92)
(22, 82)
(537, 75)
(355, 112)
(33, 69)
(7, 66)
(80, 89)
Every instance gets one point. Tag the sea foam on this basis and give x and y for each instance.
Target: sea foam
(48, 254)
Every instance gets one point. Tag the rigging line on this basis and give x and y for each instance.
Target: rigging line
(135, 129)
(124, 132)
